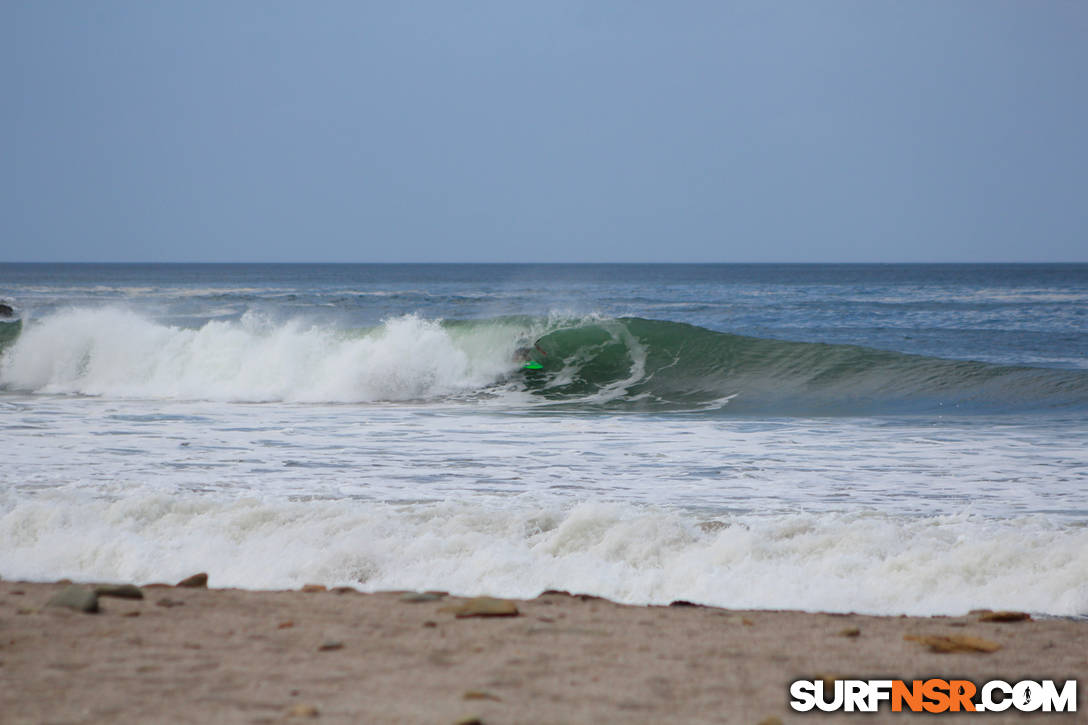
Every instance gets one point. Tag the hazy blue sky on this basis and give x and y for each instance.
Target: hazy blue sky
(929, 130)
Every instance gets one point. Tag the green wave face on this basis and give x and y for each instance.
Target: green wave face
(633, 363)
(9, 330)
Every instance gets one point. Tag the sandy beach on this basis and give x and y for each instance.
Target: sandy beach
(193, 654)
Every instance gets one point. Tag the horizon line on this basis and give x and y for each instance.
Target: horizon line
(539, 263)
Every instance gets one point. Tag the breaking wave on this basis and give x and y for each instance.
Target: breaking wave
(590, 362)
(119, 353)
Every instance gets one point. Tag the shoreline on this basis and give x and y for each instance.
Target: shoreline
(193, 654)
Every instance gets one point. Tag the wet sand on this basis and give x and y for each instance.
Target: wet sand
(230, 656)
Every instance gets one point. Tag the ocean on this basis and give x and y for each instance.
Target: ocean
(874, 438)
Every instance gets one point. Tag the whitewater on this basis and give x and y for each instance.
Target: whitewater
(884, 439)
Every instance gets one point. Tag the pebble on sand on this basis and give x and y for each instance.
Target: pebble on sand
(415, 597)
(303, 710)
(944, 644)
(75, 597)
(120, 591)
(483, 607)
(480, 695)
(1004, 616)
(196, 581)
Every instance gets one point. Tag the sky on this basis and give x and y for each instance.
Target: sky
(509, 131)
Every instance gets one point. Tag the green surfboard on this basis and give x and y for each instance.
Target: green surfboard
(532, 365)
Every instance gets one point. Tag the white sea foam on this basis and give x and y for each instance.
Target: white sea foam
(118, 353)
(863, 562)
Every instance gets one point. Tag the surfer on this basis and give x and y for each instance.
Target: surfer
(524, 354)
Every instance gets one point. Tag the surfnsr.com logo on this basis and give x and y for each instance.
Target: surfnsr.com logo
(933, 695)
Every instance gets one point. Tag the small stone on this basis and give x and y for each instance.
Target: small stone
(470, 720)
(285, 624)
(849, 632)
(302, 710)
(74, 597)
(430, 623)
(1004, 616)
(344, 590)
(329, 645)
(974, 644)
(683, 603)
(414, 597)
(196, 581)
(772, 720)
(483, 607)
(120, 591)
(945, 644)
(133, 613)
(555, 593)
(313, 588)
(480, 695)
(167, 602)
